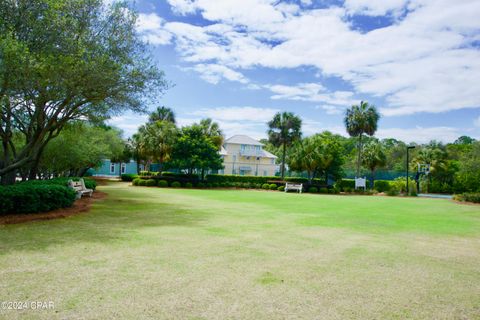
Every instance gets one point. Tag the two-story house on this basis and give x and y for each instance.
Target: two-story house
(243, 155)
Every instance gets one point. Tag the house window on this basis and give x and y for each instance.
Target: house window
(124, 168)
(258, 158)
(264, 173)
(112, 167)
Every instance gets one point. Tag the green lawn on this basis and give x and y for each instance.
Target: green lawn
(225, 254)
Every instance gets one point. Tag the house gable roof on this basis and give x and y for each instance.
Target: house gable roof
(243, 139)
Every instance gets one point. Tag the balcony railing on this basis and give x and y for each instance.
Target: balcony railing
(251, 153)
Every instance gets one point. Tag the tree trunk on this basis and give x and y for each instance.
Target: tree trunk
(373, 179)
(359, 155)
(283, 160)
(8, 178)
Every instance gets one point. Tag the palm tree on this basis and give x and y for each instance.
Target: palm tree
(284, 130)
(359, 120)
(162, 114)
(374, 157)
(212, 130)
(156, 141)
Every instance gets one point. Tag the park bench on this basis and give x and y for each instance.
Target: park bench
(294, 186)
(79, 187)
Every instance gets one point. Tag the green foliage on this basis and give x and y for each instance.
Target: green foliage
(188, 185)
(63, 181)
(281, 188)
(150, 183)
(136, 181)
(265, 186)
(469, 197)
(273, 186)
(129, 176)
(393, 191)
(246, 185)
(34, 197)
(193, 150)
(200, 185)
(323, 190)
(142, 182)
(313, 190)
(162, 183)
(284, 130)
(68, 60)
(343, 184)
(381, 185)
(219, 178)
(373, 157)
(176, 184)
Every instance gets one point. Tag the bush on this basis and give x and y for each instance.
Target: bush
(469, 197)
(176, 184)
(265, 186)
(136, 181)
(215, 185)
(273, 186)
(200, 185)
(246, 185)
(63, 181)
(150, 183)
(257, 185)
(188, 185)
(34, 197)
(393, 191)
(313, 189)
(128, 176)
(162, 183)
(281, 188)
(323, 190)
(142, 182)
(381, 185)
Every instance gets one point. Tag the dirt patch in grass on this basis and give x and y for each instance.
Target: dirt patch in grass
(79, 206)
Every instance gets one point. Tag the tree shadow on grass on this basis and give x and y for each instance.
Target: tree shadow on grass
(109, 220)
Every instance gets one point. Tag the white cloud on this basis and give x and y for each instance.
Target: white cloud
(313, 92)
(251, 114)
(331, 110)
(420, 134)
(128, 123)
(214, 73)
(426, 61)
(151, 28)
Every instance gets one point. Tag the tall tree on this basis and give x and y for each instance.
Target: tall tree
(66, 60)
(195, 152)
(212, 130)
(157, 140)
(359, 120)
(284, 130)
(162, 114)
(374, 157)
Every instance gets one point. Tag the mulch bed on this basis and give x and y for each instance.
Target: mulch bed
(79, 206)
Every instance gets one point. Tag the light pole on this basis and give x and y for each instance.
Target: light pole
(408, 149)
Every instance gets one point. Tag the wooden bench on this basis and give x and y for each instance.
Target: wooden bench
(79, 187)
(294, 186)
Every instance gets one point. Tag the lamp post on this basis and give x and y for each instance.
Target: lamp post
(408, 149)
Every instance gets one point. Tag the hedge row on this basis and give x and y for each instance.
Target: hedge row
(468, 197)
(128, 177)
(62, 181)
(34, 197)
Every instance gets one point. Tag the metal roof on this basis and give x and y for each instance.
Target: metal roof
(242, 139)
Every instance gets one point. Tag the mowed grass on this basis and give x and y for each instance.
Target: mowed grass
(151, 253)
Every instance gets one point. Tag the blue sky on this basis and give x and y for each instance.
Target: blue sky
(239, 62)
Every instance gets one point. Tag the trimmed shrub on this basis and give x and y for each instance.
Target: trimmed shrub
(246, 185)
(150, 183)
(273, 186)
(257, 185)
(162, 183)
(188, 185)
(313, 189)
(381, 185)
(200, 185)
(33, 198)
(176, 184)
(265, 186)
(136, 181)
(142, 182)
(208, 185)
(281, 188)
(215, 185)
(323, 190)
(128, 176)
(469, 197)
(345, 184)
(394, 191)
(62, 181)
(348, 189)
